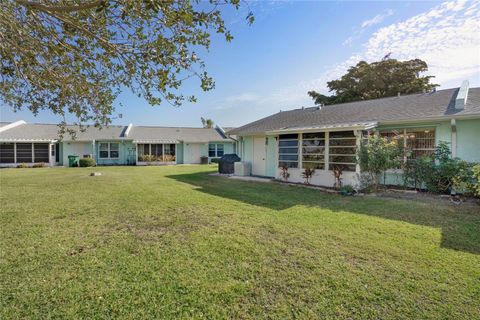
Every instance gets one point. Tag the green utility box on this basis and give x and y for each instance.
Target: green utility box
(73, 161)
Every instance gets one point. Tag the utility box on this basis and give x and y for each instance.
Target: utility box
(242, 168)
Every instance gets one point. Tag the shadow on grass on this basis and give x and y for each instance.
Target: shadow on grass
(460, 226)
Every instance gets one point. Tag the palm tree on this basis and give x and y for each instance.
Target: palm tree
(207, 123)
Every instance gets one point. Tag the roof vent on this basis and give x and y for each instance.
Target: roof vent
(127, 131)
(398, 94)
(462, 96)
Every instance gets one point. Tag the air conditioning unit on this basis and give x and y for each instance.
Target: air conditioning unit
(242, 168)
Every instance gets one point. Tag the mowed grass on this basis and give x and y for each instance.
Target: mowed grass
(175, 242)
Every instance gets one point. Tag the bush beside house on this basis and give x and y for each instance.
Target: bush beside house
(87, 162)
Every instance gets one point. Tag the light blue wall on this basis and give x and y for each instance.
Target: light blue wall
(468, 140)
(179, 154)
(126, 153)
(247, 149)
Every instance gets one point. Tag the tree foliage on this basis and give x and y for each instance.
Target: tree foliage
(74, 57)
(385, 78)
(207, 123)
(376, 155)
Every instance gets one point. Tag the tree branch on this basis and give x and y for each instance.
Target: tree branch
(73, 8)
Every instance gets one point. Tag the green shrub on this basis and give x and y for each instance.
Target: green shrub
(476, 184)
(214, 160)
(87, 162)
(440, 173)
(39, 165)
(23, 165)
(467, 180)
(376, 155)
(347, 190)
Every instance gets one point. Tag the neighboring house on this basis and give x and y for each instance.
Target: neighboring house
(327, 136)
(21, 142)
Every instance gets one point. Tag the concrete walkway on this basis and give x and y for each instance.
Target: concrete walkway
(244, 178)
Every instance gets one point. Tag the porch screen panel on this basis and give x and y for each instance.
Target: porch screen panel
(169, 152)
(342, 150)
(313, 150)
(288, 150)
(24, 152)
(41, 152)
(7, 153)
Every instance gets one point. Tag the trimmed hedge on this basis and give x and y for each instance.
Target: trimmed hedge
(87, 162)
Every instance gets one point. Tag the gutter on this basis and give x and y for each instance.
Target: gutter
(444, 118)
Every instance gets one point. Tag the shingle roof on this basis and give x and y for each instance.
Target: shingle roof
(48, 132)
(404, 108)
(199, 135)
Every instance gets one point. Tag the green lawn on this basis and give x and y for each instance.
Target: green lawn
(174, 242)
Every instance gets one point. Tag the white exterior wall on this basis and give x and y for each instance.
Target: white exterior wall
(321, 177)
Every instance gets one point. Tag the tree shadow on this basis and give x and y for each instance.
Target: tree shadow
(460, 226)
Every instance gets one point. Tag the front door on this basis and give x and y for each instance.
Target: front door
(259, 155)
(192, 153)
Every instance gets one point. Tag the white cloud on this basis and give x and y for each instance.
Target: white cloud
(377, 19)
(446, 37)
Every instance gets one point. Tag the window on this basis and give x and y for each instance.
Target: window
(108, 150)
(313, 150)
(114, 150)
(103, 150)
(417, 142)
(342, 150)
(7, 153)
(215, 150)
(288, 150)
(41, 152)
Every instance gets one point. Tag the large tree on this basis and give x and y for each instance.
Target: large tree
(74, 57)
(385, 78)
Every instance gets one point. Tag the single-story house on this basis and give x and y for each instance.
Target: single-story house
(22, 142)
(324, 137)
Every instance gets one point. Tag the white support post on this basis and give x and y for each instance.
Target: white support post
(300, 151)
(94, 151)
(176, 157)
(454, 137)
(51, 154)
(33, 153)
(326, 153)
(15, 153)
(358, 135)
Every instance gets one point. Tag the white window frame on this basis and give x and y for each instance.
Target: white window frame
(108, 150)
(302, 146)
(298, 154)
(216, 150)
(332, 148)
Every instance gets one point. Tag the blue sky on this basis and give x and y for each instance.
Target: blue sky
(297, 46)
